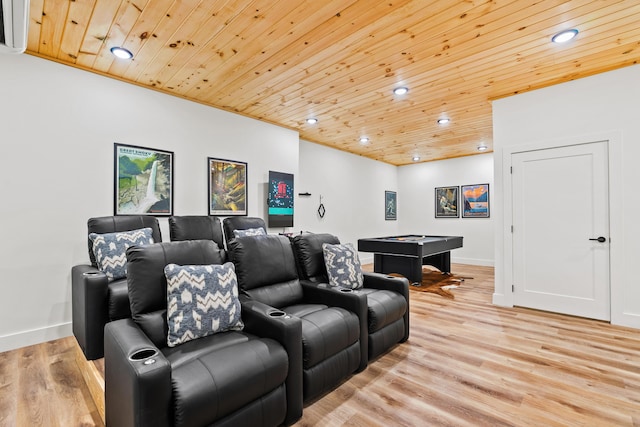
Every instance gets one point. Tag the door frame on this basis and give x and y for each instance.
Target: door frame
(503, 294)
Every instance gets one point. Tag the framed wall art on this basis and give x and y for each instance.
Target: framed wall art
(475, 201)
(227, 187)
(143, 181)
(446, 202)
(390, 205)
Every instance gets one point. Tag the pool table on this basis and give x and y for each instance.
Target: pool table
(407, 254)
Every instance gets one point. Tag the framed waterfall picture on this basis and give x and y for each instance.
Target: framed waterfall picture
(475, 201)
(143, 181)
(227, 187)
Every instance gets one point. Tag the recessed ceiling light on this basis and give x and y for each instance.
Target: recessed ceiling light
(400, 90)
(312, 120)
(415, 158)
(482, 147)
(364, 140)
(564, 36)
(443, 121)
(121, 52)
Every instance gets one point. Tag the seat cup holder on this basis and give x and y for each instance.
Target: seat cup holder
(144, 355)
(277, 313)
(346, 290)
(92, 273)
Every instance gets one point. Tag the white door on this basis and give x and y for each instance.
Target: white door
(560, 205)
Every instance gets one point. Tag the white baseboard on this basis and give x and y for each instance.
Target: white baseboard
(366, 259)
(35, 336)
(473, 261)
(630, 320)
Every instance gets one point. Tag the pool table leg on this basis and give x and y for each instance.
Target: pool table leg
(441, 261)
(409, 267)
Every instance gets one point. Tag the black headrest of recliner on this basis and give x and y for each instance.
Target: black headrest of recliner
(308, 251)
(262, 260)
(112, 224)
(241, 223)
(148, 284)
(195, 227)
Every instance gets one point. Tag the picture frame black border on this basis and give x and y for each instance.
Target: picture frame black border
(436, 201)
(246, 188)
(488, 215)
(394, 195)
(171, 154)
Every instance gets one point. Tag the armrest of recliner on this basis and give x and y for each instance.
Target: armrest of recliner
(266, 321)
(137, 378)
(349, 299)
(390, 283)
(89, 309)
(386, 282)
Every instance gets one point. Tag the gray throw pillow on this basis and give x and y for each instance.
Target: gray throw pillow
(250, 232)
(110, 249)
(343, 265)
(201, 300)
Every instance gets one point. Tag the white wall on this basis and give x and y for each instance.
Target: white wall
(352, 189)
(416, 204)
(58, 126)
(603, 106)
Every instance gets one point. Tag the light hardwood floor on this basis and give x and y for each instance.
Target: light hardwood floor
(467, 363)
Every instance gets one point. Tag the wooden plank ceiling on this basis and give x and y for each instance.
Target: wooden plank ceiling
(282, 61)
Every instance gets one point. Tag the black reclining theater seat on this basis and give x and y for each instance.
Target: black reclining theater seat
(387, 296)
(232, 378)
(197, 227)
(334, 335)
(95, 299)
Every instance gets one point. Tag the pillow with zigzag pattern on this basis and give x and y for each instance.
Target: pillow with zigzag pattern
(343, 265)
(252, 232)
(202, 300)
(110, 249)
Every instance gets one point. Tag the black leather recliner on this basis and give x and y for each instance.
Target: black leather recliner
(95, 299)
(334, 335)
(195, 227)
(232, 378)
(232, 223)
(387, 296)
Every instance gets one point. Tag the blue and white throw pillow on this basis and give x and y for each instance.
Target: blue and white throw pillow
(110, 249)
(250, 232)
(343, 265)
(201, 300)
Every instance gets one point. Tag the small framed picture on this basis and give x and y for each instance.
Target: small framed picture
(227, 187)
(390, 206)
(143, 181)
(475, 201)
(446, 202)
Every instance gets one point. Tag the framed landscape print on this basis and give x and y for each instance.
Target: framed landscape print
(475, 201)
(390, 205)
(227, 187)
(446, 202)
(143, 181)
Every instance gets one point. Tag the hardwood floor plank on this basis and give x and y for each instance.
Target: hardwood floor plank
(466, 363)
(9, 376)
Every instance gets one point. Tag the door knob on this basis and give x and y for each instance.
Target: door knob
(600, 239)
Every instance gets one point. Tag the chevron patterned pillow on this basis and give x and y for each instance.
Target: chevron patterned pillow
(110, 250)
(249, 232)
(343, 265)
(201, 300)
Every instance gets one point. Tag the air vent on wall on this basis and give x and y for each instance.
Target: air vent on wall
(13, 25)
